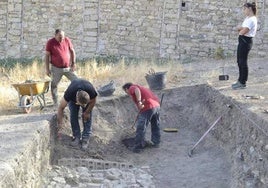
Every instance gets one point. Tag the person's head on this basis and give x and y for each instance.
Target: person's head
(126, 86)
(59, 35)
(250, 7)
(82, 98)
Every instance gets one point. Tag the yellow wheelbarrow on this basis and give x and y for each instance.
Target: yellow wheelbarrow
(29, 91)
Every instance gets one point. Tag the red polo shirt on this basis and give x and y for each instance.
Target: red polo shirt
(150, 100)
(60, 52)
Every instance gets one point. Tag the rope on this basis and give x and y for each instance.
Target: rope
(253, 122)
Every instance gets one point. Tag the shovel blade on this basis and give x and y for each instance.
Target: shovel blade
(190, 153)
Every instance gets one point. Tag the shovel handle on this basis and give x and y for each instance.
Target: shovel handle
(162, 96)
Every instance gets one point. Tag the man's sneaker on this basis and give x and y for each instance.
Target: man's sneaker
(238, 85)
(75, 142)
(156, 146)
(136, 149)
(150, 144)
(84, 144)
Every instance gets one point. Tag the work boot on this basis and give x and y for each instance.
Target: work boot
(85, 143)
(238, 85)
(155, 145)
(136, 149)
(150, 144)
(75, 142)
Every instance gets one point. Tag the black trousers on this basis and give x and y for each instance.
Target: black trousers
(243, 48)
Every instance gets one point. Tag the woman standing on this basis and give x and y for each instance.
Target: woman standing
(246, 32)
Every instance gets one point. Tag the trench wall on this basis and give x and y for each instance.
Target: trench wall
(25, 151)
(177, 29)
(242, 133)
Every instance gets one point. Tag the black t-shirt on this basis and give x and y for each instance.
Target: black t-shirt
(76, 85)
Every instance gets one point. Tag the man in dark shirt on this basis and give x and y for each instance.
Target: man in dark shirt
(80, 93)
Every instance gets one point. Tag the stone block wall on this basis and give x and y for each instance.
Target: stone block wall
(144, 28)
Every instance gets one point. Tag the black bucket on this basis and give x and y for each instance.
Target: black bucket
(107, 90)
(157, 80)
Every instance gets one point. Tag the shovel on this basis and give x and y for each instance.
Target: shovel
(223, 76)
(133, 126)
(190, 153)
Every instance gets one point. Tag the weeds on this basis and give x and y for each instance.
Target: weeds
(98, 71)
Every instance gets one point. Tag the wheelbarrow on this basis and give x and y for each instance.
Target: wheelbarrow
(29, 91)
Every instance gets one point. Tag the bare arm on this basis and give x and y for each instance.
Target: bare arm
(63, 104)
(243, 30)
(239, 28)
(91, 105)
(73, 59)
(47, 59)
(138, 98)
(138, 94)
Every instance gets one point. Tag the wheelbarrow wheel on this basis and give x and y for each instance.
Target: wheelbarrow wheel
(25, 101)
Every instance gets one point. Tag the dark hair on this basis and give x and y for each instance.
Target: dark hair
(57, 31)
(127, 85)
(253, 7)
(83, 97)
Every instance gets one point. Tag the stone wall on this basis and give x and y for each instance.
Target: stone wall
(142, 28)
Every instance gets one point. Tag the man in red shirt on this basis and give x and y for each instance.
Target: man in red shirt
(61, 55)
(148, 105)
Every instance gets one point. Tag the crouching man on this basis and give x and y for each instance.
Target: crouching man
(148, 105)
(80, 93)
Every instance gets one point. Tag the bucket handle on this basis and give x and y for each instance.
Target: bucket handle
(151, 71)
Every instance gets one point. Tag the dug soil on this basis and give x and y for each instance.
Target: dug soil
(170, 164)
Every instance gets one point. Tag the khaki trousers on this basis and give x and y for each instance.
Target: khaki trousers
(57, 74)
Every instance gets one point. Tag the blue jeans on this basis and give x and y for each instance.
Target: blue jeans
(74, 111)
(144, 118)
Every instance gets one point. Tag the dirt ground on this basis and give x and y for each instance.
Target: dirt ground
(170, 164)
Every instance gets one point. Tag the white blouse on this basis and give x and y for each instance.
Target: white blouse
(251, 24)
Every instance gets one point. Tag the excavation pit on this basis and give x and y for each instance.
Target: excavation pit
(233, 153)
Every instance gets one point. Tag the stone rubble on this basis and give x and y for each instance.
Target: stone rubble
(84, 177)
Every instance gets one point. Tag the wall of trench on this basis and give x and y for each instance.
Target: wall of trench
(25, 150)
(241, 133)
